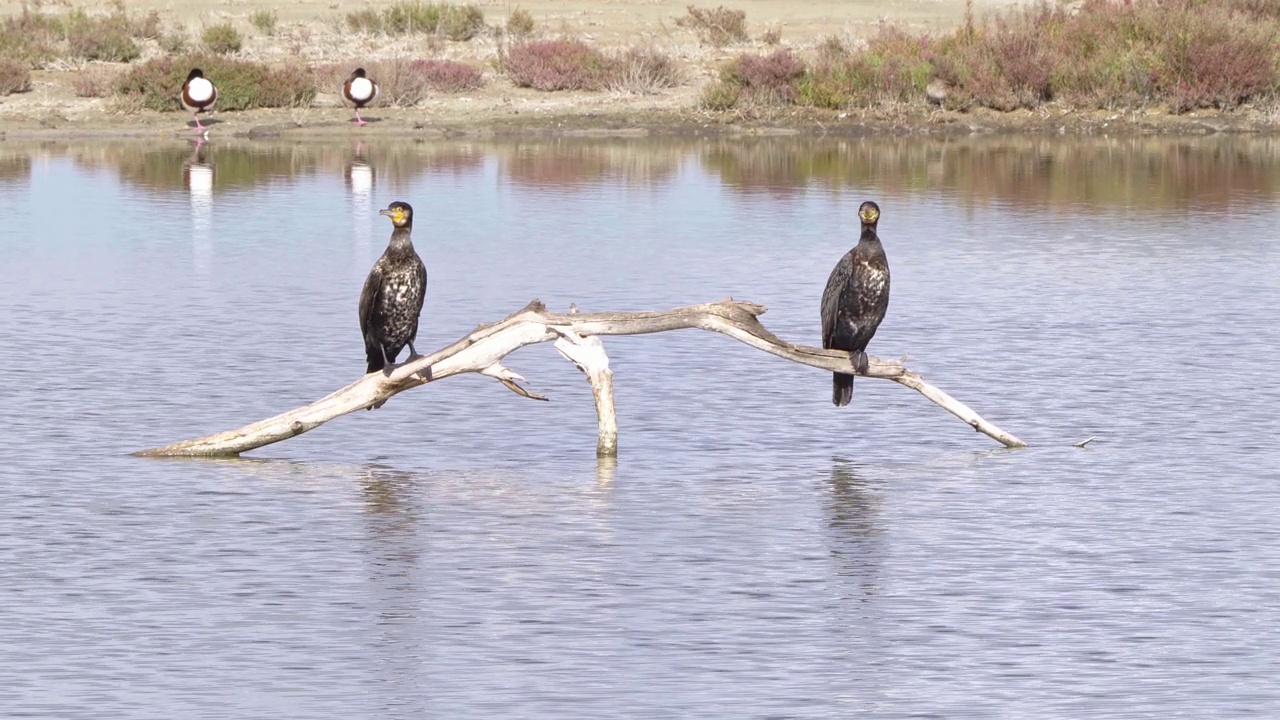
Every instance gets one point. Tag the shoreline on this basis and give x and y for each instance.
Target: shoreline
(454, 118)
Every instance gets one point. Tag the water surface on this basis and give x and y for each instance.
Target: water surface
(754, 551)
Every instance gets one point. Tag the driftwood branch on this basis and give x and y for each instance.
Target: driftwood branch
(587, 352)
(575, 335)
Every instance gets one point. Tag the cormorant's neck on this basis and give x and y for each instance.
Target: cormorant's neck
(869, 232)
(400, 238)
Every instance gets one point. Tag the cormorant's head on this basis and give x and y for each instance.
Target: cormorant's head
(358, 73)
(195, 73)
(400, 213)
(869, 213)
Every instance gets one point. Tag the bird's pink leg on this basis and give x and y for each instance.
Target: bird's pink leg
(199, 127)
(358, 120)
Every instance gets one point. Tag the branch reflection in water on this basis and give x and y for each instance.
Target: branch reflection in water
(855, 529)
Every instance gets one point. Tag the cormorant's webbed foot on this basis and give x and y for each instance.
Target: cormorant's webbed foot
(413, 352)
(387, 365)
(860, 362)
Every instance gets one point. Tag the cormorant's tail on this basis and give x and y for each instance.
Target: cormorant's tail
(841, 389)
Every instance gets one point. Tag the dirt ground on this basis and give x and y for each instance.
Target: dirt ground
(313, 31)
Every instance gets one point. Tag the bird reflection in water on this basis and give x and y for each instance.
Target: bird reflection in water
(854, 522)
(197, 176)
(398, 591)
(359, 180)
(392, 519)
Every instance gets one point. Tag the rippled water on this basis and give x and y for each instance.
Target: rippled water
(754, 552)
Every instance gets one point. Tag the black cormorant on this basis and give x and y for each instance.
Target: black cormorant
(198, 95)
(392, 296)
(359, 90)
(855, 301)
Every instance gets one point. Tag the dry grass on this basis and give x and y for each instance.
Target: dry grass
(15, 76)
(520, 23)
(95, 81)
(266, 21)
(456, 22)
(35, 38)
(31, 37)
(717, 26)
(644, 70)
(571, 64)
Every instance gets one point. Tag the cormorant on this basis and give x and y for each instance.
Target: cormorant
(198, 95)
(855, 301)
(392, 296)
(359, 91)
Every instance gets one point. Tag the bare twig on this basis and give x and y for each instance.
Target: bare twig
(482, 351)
(1085, 441)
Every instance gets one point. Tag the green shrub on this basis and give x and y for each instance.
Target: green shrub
(265, 20)
(720, 95)
(242, 84)
(174, 42)
(222, 39)
(520, 23)
(456, 22)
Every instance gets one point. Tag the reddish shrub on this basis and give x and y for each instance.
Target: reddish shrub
(771, 77)
(557, 65)
(447, 75)
(1221, 70)
(14, 76)
(405, 83)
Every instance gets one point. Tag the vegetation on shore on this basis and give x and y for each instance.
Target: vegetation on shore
(1180, 55)
(242, 85)
(574, 65)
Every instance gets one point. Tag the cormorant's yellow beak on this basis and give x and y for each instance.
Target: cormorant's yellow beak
(869, 215)
(397, 215)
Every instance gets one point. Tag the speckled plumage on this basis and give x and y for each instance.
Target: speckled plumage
(392, 299)
(855, 301)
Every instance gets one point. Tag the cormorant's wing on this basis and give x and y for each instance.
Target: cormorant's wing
(369, 297)
(420, 275)
(831, 297)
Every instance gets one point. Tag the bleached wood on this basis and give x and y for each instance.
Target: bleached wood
(482, 350)
(587, 352)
